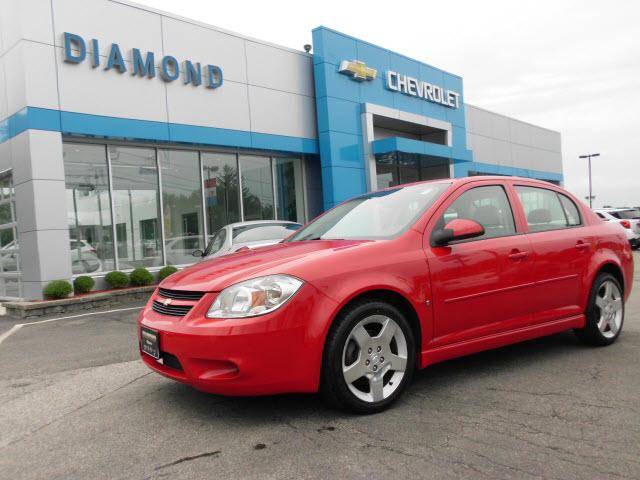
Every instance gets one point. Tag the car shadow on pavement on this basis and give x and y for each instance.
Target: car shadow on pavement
(434, 379)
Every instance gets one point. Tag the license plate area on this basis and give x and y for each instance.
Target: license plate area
(150, 342)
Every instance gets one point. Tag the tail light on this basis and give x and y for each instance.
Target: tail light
(625, 223)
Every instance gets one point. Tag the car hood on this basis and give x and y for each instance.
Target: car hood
(290, 258)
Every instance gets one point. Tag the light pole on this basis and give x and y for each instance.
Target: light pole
(589, 157)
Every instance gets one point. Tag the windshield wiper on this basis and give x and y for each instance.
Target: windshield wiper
(316, 238)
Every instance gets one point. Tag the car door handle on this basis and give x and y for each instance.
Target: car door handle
(582, 245)
(517, 255)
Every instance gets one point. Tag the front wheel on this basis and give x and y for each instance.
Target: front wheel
(369, 357)
(605, 312)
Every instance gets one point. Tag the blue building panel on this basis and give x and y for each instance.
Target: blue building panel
(340, 122)
(342, 183)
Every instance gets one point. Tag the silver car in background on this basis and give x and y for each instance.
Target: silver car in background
(258, 233)
(628, 218)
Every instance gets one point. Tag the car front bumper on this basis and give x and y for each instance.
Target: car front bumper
(274, 353)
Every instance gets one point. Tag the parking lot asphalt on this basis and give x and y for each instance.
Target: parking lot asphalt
(77, 403)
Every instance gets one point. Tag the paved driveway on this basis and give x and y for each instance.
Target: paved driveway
(75, 402)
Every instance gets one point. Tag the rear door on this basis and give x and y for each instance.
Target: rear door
(480, 286)
(562, 247)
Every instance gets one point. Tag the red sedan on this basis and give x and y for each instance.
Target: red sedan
(388, 282)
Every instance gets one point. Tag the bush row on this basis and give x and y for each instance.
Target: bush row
(84, 284)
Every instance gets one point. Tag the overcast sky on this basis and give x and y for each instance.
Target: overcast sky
(572, 66)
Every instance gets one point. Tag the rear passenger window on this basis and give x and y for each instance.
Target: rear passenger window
(547, 210)
(489, 206)
(571, 210)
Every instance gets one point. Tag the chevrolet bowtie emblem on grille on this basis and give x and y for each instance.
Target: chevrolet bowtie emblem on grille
(357, 70)
(167, 301)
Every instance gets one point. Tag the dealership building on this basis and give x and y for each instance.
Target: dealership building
(129, 136)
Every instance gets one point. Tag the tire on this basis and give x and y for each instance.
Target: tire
(358, 341)
(605, 312)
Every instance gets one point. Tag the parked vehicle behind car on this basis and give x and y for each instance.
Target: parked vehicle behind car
(627, 218)
(251, 234)
(390, 282)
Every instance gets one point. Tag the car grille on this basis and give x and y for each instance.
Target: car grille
(173, 310)
(180, 294)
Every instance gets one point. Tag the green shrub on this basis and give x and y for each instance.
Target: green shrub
(58, 289)
(141, 277)
(117, 279)
(83, 284)
(166, 271)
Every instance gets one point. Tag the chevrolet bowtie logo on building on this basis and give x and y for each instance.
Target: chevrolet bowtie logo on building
(357, 70)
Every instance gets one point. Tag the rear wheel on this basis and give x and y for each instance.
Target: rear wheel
(369, 357)
(605, 312)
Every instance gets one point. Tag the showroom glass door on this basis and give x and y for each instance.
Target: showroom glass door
(10, 269)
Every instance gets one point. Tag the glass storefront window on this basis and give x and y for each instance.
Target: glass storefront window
(88, 208)
(399, 168)
(221, 192)
(136, 206)
(257, 187)
(145, 194)
(289, 189)
(10, 271)
(181, 205)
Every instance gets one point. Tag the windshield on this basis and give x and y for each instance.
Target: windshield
(216, 243)
(376, 216)
(626, 214)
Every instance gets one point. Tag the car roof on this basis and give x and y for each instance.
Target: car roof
(616, 209)
(262, 222)
(476, 178)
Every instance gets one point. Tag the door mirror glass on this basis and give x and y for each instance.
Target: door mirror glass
(197, 253)
(458, 229)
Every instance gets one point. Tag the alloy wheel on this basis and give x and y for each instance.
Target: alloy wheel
(374, 358)
(610, 309)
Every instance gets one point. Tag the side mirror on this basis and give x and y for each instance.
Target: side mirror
(458, 229)
(197, 253)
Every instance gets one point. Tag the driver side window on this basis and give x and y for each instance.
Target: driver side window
(489, 206)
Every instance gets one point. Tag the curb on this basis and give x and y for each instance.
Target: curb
(74, 304)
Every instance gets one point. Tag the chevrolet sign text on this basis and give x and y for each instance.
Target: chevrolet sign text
(421, 89)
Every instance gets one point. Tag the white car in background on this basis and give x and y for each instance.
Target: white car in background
(628, 218)
(84, 258)
(259, 233)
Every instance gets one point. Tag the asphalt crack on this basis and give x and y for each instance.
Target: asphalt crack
(190, 458)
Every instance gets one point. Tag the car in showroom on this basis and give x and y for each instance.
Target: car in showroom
(84, 258)
(387, 283)
(246, 235)
(627, 218)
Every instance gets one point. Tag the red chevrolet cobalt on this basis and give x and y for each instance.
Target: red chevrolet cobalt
(389, 282)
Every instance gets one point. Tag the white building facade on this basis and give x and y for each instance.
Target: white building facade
(129, 136)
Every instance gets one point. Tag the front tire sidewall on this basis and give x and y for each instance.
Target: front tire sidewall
(334, 387)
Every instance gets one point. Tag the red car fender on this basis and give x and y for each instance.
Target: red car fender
(415, 297)
(601, 258)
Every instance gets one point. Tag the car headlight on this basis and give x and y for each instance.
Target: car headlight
(257, 296)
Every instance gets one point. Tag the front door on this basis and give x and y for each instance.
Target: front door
(480, 286)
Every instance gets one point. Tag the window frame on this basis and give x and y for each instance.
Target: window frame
(455, 196)
(564, 211)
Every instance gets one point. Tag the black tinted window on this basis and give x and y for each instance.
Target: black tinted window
(626, 214)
